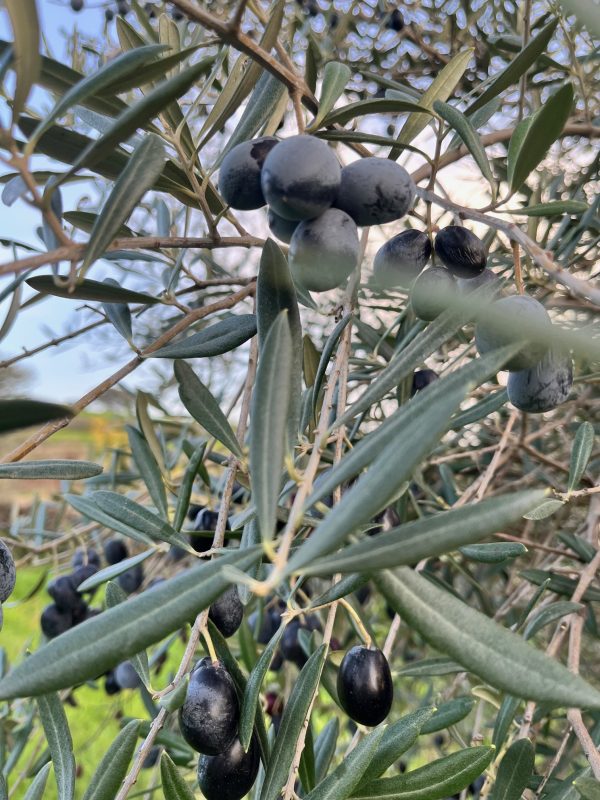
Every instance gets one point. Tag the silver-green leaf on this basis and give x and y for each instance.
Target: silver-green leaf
(60, 743)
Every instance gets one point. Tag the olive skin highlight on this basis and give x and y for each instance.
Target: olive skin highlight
(364, 685)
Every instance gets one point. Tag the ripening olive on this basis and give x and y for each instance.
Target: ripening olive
(430, 292)
(8, 573)
(126, 677)
(508, 325)
(239, 174)
(544, 386)
(462, 252)
(209, 715)
(230, 775)
(401, 259)
(227, 612)
(115, 550)
(375, 190)
(282, 228)
(54, 621)
(364, 685)
(301, 177)
(324, 251)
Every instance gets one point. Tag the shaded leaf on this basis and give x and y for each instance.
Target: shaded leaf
(114, 596)
(345, 778)
(554, 208)
(252, 691)
(496, 654)
(119, 315)
(173, 785)
(222, 337)
(351, 111)
(26, 33)
(494, 552)
(325, 746)
(559, 584)
(137, 517)
(548, 614)
(335, 78)
(113, 570)
(89, 290)
(449, 713)
(88, 508)
(56, 469)
(60, 743)
(149, 469)
(22, 412)
(430, 666)
(187, 484)
(328, 350)
(38, 784)
(112, 769)
(462, 125)
(588, 788)
(514, 771)
(581, 452)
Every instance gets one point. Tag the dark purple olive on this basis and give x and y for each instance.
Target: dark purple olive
(301, 177)
(62, 590)
(208, 718)
(131, 580)
(206, 520)
(290, 646)
(81, 574)
(401, 259)
(324, 251)
(126, 677)
(544, 386)
(508, 326)
(422, 378)
(375, 190)
(82, 557)
(115, 550)
(8, 573)
(282, 228)
(269, 624)
(54, 621)
(462, 252)
(364, 685)
(430, 292)
(239, 174)
(395, 20)
(227, 612)
(193, 512)
(177, 14)
(110, 684)
(230, 775)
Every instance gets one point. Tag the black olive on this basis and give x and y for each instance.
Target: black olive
(81, 574)
(126, 677)
(375, 190)
(365, 686)
(430, 292)
(240, 171)
(462, 252)
(82, 557)
(131, 580)
(268, 625)
(76, 5)
(324, 251)
(208, 718)
(282, 228)
(115, 550)
(290, 646)
(109, 14)
(395, 21)
(544, 386)
(64, 593)
(401, 259)
(122, 7)
(422, 378)
(230, 775)
(506, 327)
(8, 573)
(301, 177)
(206, 520)
(227, 612)
(54, 621)
(110, 684)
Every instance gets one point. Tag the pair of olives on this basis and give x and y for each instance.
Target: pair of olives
(69, 607)
(314, 204)
(208, 720)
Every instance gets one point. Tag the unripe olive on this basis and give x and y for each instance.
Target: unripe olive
(375, 190)
(301, 177)
(544, 386)
(430, 291)
(364, 685)
(8, 573)
(230, 775)
(239, 174)
(516, 311)
(462, 252)
(227, 612)
(208, 718)
(282, 228)
(402, 258)
(324, 251)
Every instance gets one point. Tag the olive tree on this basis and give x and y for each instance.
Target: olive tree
(356, 244)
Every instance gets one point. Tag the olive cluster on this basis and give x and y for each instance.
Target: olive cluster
(8, 576)
(314, 205)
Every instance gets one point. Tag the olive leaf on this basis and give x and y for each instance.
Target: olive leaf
(138, 517)
(26, 29)
(581, 452)
(173, 785)
(114, 596)
(494, 552)
(57, 469)
(449, 713)
(38, 784)
(89, 290)
(114, 570)
(252, 691)
(222, 337)
(119, 315)
(60, 743)
(514, 771)
(324, 748)
(149, 469)
(345, 778)
(112, 769)
(335, 78)
(21, 413)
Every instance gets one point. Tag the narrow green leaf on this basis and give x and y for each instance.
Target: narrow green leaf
(100, 643)
(462, 125)
(430, 666)
(269, 420)
(98, 82)
(212, 341)
(21, 413)
(325, 748)
(328, 350)
(252, 691)
(559, 584)
(27, 64)
(119, 315)
(187, 484)
(141, 173)
(504, 719)
(203, 407)
(38, 785)
(112, 769)
(173, 785)
(114, 570)
(389, 105)
(449, 713)
(492, 402)
(581, 453)
(554, 208)
(89, 290)
(588, 788)
(60, 743)
(517, 67)
(441, 88)
(545, 509)
(514, 771)
(114, 596)
(442, 778)
(397, 739)
(494, 552)
(154, 70)
(548, 614)
(545, 127)
(56, 469)
(496, 654)
(173, 700)
(345, 778)
(88, 508)
(149, 469)
(137, 517)
(310, 360)
(292, 721)
(335, 78)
